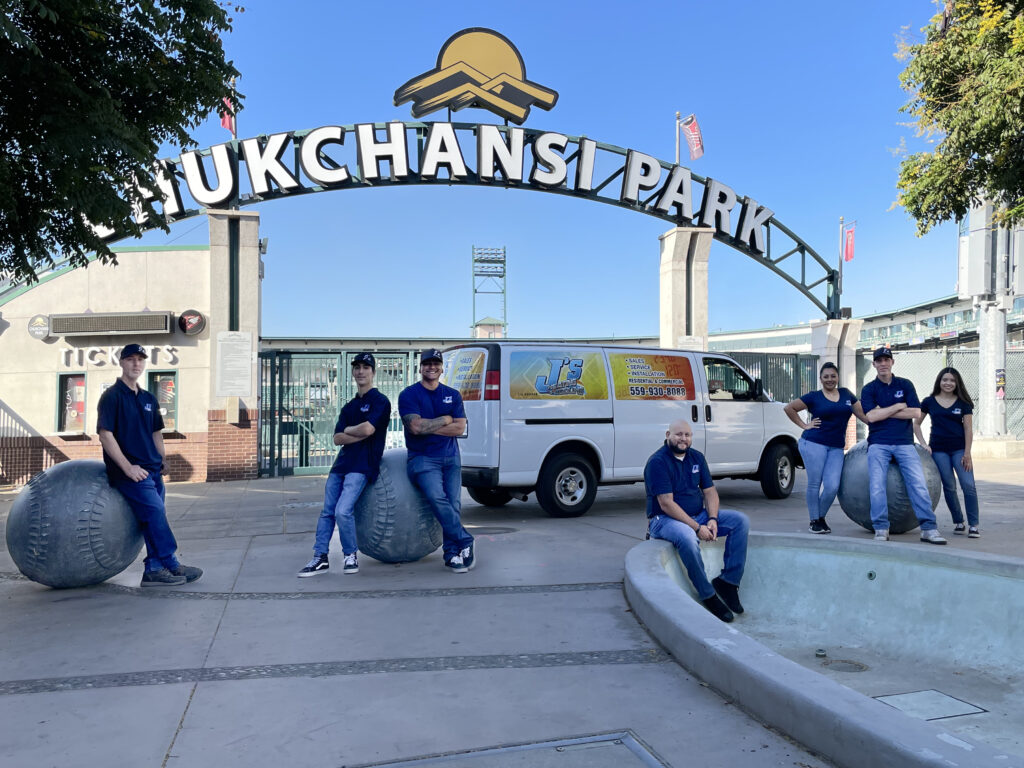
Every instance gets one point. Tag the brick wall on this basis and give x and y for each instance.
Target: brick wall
(232, 449)
(23, 457)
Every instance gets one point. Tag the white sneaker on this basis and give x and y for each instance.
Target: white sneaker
(932, 537)
(351, 564)
(882, 534)
(456, 565)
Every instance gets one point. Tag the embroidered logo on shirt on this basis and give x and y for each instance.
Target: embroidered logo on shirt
(695, 469)
(899, 393)
(148, 407)
(447, 399)
(957, 411)
(365, 408)
(848, 402)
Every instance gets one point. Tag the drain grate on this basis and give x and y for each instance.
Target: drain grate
(605, 750)
(930, 705)
(844, 665)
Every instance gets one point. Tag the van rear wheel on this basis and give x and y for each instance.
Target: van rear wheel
(566, 486)
(778, 472)
(489, 497)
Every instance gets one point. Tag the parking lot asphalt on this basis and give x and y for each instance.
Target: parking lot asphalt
(534, 648)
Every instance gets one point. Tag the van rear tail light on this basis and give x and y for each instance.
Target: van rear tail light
(492, 385)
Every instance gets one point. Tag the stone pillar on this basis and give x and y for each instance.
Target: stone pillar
(233, 418)
(835, 341)
(684, 287)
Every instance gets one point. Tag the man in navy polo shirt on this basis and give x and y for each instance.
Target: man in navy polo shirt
(129, 427)
(433, 416)
(682, 508)
(361, 432)
(890, 406)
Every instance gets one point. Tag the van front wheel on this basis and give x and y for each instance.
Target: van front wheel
(489, 497)
(566, 486)
(778, 472)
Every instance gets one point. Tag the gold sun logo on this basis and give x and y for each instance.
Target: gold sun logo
(477, 68)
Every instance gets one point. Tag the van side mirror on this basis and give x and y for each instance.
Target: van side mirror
(758, 389)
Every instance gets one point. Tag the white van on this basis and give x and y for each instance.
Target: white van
(561, 419)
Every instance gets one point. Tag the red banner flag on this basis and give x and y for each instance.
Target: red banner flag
(693, 137)
(848, 245)
(227, 117)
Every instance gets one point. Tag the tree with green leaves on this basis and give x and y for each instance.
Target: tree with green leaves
(967, 91)
(89, 90)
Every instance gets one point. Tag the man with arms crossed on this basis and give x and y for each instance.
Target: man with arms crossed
(682, 508)
(133, 449)
(433, 416)
(361, 432)
(890, 406)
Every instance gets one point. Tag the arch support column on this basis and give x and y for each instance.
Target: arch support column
(684, 287)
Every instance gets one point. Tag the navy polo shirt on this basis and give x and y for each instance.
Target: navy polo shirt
(132, 417)
(363, 457)
(947, 424)
(684, 478)
(834, 417)
(443, 401)
(890, 431)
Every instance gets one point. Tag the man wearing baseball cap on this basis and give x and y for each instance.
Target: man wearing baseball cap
(361, 432)
(890, 406)
(129, 427)
(434, 416)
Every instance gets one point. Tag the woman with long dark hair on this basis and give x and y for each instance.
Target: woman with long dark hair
(823, 439)
(951, 410)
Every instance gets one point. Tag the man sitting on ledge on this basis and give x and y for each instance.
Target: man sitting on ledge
(682, 508)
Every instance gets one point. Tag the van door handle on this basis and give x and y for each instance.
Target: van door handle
(694, 414)
(707, 413)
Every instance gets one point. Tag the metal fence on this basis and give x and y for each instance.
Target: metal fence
(785, 376)
(301, 396)
(922, 366)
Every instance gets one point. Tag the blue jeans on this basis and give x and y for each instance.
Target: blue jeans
(146, 498)
(340, 496)
(733, 525)
(879, 458)
(948, 463)
(440, 479)
(824, 466)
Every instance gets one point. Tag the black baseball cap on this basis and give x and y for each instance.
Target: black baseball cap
(133, 349)
(882, 352)
(365, 357)
(431, 354)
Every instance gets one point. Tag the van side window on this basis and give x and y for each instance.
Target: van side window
(727, 381)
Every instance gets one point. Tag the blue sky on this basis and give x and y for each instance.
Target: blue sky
(798, 103)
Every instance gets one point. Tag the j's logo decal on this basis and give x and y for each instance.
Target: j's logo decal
(563, 378)
(477, 67)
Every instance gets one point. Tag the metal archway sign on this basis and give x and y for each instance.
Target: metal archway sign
(336, 157)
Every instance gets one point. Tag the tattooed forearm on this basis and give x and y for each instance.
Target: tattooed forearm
(421, 426)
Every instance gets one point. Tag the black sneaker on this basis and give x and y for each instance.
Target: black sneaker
(729, 593)
(317, 565)
(958, 529)
(468, 555)
(819, 526)
(351, 564)
(455, 564)
(162, 578)
(973, 532)
(190, 572)
(717, 607)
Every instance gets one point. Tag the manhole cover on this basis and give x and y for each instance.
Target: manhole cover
(615, 750)
(844, 665)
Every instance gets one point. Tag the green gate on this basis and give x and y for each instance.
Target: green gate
(301, 395)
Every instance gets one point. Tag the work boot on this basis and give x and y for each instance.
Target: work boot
(717, 607)
(729, 593)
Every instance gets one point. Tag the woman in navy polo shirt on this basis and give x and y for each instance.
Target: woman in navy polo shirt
(950, 408)
(823, 440)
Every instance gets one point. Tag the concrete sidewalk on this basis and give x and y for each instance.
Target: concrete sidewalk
(252, 666)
